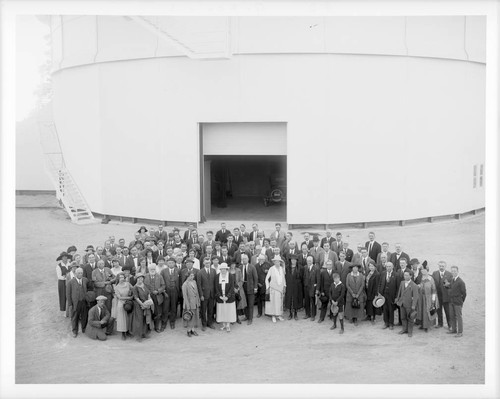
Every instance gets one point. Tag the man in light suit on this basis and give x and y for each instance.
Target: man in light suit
(329, 239)
(156, 286)
(457, 294)
(316, 250)
(407, 299)
(311, 281)
(222, 234)
(356, 258)
(76, 288)
(373, 246)
(442, 277)
(99, 324)
(206, 287)
(388, 287)
(326, 255)
(250, 286)
(278, 235)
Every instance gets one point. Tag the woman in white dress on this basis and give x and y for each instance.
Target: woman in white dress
(275, 287)
(225, 296)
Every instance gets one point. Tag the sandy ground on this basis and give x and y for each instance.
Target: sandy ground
(285, 352)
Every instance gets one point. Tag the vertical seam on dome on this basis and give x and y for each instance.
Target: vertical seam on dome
(465, 38)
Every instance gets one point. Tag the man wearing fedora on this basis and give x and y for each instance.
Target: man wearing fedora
(76, 289)
(457, 293)
(99, 325)
(388, 288)
(407, 299)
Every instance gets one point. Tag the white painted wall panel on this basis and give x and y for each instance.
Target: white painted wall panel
(244, 139)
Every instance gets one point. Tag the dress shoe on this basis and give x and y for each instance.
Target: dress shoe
(312, 318)
(194, 333)
(274, 319)
(290, 317)
(128, 334)
(172, 325)
(426, 329)
(211, 326)
(402, 332)
(399, 324)
(75, 335)
(280, 318)
(259, 315)
(421, 328)
(355, 322)
(385, 327)
(249, 322)
(306, 317)
(333, 327)
(162, 329)
(189, 334)
(244, 318)
(439, 326)
(451, 332)
(367, 318)
(410, 335)
(321, 321)
(238, 321)
(391, 327)
(157, 330)
(203, 328)
(459, 335)
(296, 317)
(83, 330)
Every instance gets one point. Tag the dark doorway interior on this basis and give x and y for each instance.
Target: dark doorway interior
(239, 184)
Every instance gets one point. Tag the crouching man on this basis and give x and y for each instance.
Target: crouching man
(98, 320)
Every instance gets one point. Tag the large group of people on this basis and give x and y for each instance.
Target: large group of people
(216, 280)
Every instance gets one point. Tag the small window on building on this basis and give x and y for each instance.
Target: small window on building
(481, 175)
(474, 178)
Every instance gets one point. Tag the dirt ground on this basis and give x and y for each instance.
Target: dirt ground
(286, 352)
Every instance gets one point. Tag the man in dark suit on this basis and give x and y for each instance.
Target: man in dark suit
(327, 254)
(396, 256)
(325, 281)
(307, 241)
(206, 287)
(385, 246)
(250, 286)
(442, 277)
(338, 245)
(172, 289)
(457, 294)
(407, 299)
(388, 287)
(302, 259)
(237, 237)
(222, 234)
(289, 252)
(231, 246)
(328, 238)
(99, 323)
(373, 246)
(364, 262)
(224, 257)
(348, 252)
(209, 241)
(156, 286)
(132, 261)
(189, 232)
(161, 234)
(262, 267)
(316, 250)
(76, 288)
(311, 281)
(343, 267)
(88, 269)
(241, 251)
(254, 234)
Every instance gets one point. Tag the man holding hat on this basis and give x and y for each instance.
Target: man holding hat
(388, 288)
(76, 288)
(172, 288)
(99, 325)
(316, 250)
(325, 281)
(407, 299)
(156, 286)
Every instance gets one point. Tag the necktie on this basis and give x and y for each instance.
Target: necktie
(388, 277)
(371, 244)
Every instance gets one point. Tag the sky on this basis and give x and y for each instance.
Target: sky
(30, 49)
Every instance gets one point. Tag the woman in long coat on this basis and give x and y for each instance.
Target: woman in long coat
(241, 303)
(293, 294)
(122, 292)
(427, 298)
(275, 286)
(191, 302)
(355, 285)
(142, 316)
(372, 279)
(225, 290)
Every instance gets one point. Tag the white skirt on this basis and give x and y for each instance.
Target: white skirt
(226, 312)
(274, 307)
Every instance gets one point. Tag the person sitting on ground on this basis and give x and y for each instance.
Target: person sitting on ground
(98, 321)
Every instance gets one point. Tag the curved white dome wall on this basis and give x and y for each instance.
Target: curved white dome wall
(369, 137)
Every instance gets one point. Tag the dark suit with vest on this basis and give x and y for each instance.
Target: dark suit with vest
(388, 287)
(375, 249)
(395, 260)
(172, 291)
(442, 294)
(206, 287)
(156, 283)
(311, 282)
(75, 298)
(250, 286)
(325, 281)
(457, 293)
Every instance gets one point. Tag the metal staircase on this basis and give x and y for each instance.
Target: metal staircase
(67, 191)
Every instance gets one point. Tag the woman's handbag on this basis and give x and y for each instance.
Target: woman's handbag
(187, 315)
(268, 295)
(128, 305)
(355, 303)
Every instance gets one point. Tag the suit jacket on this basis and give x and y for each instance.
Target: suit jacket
(326, 239)
(76, 292)
(376, 249)
(254, 234)
(87, 273)
(345, 270)
(252, 279)
(161, 236)
(372, 288)
(186, 235)
(311, 280)
(309, 244)
(325, 281)
(388, 257)
(349, 255)
(389, 289)
(93, 324)
(337, 294)
(262, 273)
(207, 243)
(228, 260)
(442, 292)
(407, 297)
(172, 281)
(287, 254)
(395, 261)
(237, 256)
(228, 289)
(270, 254)
(279, 237)
(222, 236)
(332, 255)
(206, 283)
(336, 246)
(457, 292)
(363, 265)
(157, 285)
(301, 261)
(231, 249)
(314, 252)
(129, 263)
(237, 240)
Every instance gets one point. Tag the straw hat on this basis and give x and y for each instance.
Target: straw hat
(378, 301)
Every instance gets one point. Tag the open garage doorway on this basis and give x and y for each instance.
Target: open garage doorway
(244, 171)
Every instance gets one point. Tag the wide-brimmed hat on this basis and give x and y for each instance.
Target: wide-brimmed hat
(89, 247)
(139, 275)
(413, 315)
(378, 301)
(71, 249)
(223, 265)
(142, 227)
(335, 309)
(101, 297)
(278, 258)
(187, 315)
(64, 254)
(414, 261)
(128, 306)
